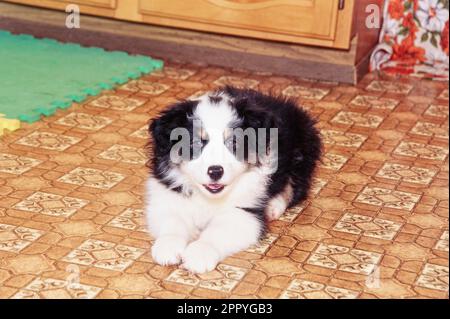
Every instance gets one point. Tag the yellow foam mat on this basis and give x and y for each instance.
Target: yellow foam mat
(8, 124)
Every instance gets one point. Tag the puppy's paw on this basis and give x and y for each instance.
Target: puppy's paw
(277, 206)
(167, 250)
(199, 257)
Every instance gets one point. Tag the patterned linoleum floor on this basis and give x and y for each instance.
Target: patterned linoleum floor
(375, 226)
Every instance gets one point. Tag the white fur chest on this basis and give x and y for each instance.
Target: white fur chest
(197, 210)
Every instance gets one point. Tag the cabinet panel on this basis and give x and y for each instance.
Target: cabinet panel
(272, 19)
(94, 7)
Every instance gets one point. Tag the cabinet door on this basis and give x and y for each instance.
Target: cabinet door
(96, 7)
(301, 21)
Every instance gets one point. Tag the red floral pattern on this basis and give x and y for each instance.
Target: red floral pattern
(395, 9)
(414, 39)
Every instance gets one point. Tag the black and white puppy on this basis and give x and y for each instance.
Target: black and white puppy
(215, 199)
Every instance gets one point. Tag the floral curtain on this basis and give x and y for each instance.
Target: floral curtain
(414, 39)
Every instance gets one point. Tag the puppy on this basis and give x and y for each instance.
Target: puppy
(222, 166)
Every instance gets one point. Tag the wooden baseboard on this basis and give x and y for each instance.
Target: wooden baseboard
(189, 46)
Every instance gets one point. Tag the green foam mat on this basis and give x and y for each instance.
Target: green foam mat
(38, 76)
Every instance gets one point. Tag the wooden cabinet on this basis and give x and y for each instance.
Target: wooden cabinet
(318, 22)
(298, 21)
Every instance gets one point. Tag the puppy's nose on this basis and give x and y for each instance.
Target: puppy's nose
(215, 172)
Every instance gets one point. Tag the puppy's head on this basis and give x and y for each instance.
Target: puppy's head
(208, 143)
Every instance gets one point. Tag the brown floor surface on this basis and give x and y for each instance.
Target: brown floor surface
(71, 191)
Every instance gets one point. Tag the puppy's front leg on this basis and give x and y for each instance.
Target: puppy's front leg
(171, 239)
(226, 234)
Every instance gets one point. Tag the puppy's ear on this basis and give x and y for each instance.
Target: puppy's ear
(176, 116)
(253, 115)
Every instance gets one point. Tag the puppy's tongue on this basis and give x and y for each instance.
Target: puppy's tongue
(215, 186)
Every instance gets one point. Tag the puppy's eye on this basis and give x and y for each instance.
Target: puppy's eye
(199, 142)
(230, 143)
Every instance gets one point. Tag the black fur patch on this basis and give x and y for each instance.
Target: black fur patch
(176, 116)
(215, 99)
(299, 144)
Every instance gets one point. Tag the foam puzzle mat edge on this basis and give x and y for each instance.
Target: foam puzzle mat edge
(109, 68)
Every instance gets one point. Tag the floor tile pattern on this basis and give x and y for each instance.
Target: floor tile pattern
(374, 226)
